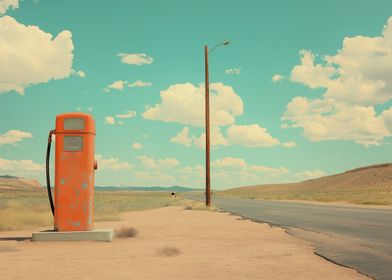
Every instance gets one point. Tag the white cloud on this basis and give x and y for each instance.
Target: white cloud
(126, 115)
(184, 103)
(79, 73)
(135, 58)
(117, 85)
(356, 79)
(30, 56)
(325, 119)
(250, 136)
(112, 163)
(269, 170)
(216, 138)
(8, 4)
(20, 167)
(139, 83)
(110, 120)
(310, 74)
(387, 117)
(234, 172)
(276, 78)
(165, 163)
(310, 174)
(235, 71)
(120, 85)
(137, 146)
(245, 135)
(290, 144)
(229, 162)
(13, 136)
(182, 138)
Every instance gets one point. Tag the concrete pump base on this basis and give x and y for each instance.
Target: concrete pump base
(93, 235)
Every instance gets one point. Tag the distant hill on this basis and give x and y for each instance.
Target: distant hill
(365, 185)
(14, 183)
(159, 189)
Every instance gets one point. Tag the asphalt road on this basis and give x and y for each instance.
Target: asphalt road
(358, 237)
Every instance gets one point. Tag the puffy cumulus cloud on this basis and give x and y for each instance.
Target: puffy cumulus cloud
(250, 136)
(310, 74)
(115, 119)
(120, 85)
(355, 80)
(137, 146)
(110, 120)
(165, 163)
(20, 167)
(182, 138)
(13, 137)
(246, 135)
(112, 163)
(276, 78)
(126, 115)
(135, 58)
(232, 71)
(116, 85)
(387, 117)
(184, 103)
(139, 83)
(216, 138)
(8, 4)
(326, 119)
(310, 174)
(290, 144)
(343, 83)
(358, 74)
(31, 56)
(79, 73)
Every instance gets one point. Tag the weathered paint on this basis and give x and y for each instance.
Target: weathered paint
(90, 213)
(74, 172)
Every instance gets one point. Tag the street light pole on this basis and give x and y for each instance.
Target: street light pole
(207, 119)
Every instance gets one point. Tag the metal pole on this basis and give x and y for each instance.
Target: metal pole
(207, 113)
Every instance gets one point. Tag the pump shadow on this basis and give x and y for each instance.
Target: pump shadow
(15, 238)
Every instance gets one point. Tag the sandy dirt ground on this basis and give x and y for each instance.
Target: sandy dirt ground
(171, 243)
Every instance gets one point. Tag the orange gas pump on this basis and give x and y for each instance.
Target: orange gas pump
(73, 209)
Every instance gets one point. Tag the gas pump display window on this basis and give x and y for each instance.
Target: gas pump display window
(74, 124)
(73, 143)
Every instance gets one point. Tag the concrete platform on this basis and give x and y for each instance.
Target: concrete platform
(94, 235)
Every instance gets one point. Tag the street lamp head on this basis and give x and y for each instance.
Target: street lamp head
(225, 43)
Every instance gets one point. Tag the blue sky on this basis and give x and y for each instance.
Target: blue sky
(303, 89)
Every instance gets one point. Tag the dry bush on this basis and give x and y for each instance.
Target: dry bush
(198, 205)
(169, 251)
(17, 216)
(125, 232)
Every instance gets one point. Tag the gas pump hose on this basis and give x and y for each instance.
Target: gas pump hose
(47, 171)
